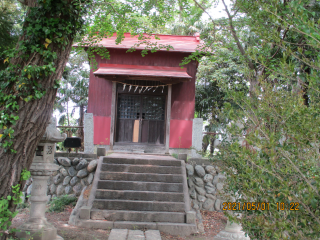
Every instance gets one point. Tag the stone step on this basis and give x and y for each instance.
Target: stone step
(140, 186)
(137, 216)
(138, 205)
(139, 195)
(140, 168)
(155, 162)
(145, 177)
(181, 229)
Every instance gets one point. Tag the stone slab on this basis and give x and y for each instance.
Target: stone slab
(180, 229)
(140, 186)
(137, 216)
(85, 212)
(197, 135)
(96, 224)
(135, 225)
(118, 234)
(138, 205)
(136, 235)
(88, 133)
(153, 235)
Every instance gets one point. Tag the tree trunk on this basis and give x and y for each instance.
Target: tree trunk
(33, 115)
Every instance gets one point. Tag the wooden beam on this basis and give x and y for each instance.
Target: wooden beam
(113, 113)
(168, 116)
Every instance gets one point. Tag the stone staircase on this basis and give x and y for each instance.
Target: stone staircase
(138, 191)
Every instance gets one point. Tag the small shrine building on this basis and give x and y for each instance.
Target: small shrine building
(146, 102)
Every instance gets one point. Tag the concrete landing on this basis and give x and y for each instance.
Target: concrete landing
(125, 234)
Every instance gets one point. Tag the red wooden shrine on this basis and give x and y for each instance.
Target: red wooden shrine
(144, 100)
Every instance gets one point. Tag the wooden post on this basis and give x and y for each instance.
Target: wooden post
(113, 113)
(168, 116)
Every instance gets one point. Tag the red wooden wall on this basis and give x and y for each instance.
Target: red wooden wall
(183, 96)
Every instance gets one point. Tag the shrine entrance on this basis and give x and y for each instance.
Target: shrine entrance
(140, 118)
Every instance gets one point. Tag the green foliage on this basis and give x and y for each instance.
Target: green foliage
(58, 204)
(6, 203)
(270, 150)
(175, 155)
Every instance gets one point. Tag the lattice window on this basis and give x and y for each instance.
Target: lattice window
(49, 150)
(153, 108)
(128, 106)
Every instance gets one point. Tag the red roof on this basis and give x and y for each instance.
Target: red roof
(179, 43)
(136, 70)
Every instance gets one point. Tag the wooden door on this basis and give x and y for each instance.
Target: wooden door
(142, 114)
(152, 123)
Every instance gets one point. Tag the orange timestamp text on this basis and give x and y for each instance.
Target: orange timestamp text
(255, 206)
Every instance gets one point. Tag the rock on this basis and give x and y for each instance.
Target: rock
(207, 178)
(210, 190)
(193, 193)
(190, 170)
(23, 197)
(211, 196)
(60, 190)
(55, 173)
(64, 172)
(90, 178)
(49, 198)
(190, 183)
(82, 164)
(53, 196)
(58, 178)
(66, 180)
(208, 204)
(53, 189)
(55, 161)
(198, 181)
(201, 198)
(29, 190)
(219, 186)
(68, 189)
(211, 170)
(199, 216)
(77, 189)
(200, 228)
(72, 172)
(29, 181)
(200, 191)
(217, 205)
(209, 184)
(48, 190)
(64, 161)
(200, 171)
(82, 173)
(74, 180)
(84, 182)
(50, 181)
(92, 166)
(25, 188)
(195, 204)
(75, 161)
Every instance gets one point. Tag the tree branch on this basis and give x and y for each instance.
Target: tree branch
(234, 34)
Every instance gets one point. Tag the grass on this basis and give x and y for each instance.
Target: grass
(58, 204)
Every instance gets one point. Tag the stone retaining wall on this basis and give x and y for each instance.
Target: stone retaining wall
(205, 187)
(70, 178)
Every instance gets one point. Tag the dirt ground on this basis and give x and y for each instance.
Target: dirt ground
(213, 223)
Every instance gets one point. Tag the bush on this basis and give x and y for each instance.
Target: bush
(58, 204)
(273, 158)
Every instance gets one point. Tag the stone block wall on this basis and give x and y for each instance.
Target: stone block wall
(72, 175)
(205, 187)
